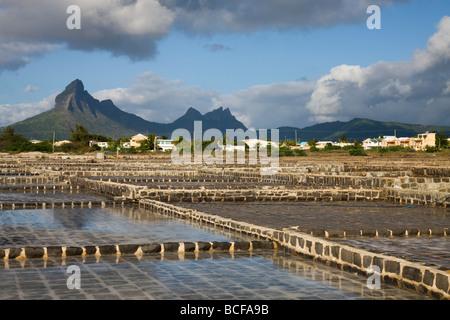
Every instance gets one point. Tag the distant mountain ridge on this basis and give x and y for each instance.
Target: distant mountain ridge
(357, 129)
(76, 106)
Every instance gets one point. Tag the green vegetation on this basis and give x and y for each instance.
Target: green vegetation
(11, 142)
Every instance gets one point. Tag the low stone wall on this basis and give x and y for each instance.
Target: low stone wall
(137, 249)
(28, 180)
(374, 233)
(112, 189)
(272, 194)
(406, 274)
(58, 204)
(136, 192)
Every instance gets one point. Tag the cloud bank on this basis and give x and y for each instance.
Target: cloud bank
(133, 28)
(415, 91)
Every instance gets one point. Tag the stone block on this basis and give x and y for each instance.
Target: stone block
(309, 245)
(171, 246)
(318, 247)
(262, 245)
(33, 252)
(335, 251)
(398, 232)
(73, 251)
(377, 261)
(128, 248)
(218, 245)
(14, 253)
(54, 251)
(317, 232)
(189, 246)
(203, 246)
(413, 232)
(437, 231)
(352, 233)
(151, 248)
(412, 273)
(335, 233)
(442, 282)
(108, 249)
(384, 233)
(392, 266)
(242, 245)
(347, 255)
(428, 278)
(357, 260)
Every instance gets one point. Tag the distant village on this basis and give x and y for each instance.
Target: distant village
(418, 143)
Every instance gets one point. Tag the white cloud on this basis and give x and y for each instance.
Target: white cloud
(155, 98)
(16, 54)
(30, 89)
(133, 27)
(12, 113)
(437, 52)
(446, 90)
(399, 91)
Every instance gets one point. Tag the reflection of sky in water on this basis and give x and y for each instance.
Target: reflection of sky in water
(106, 224)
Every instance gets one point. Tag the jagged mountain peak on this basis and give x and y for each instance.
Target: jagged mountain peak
(75, 86)
(75, 105)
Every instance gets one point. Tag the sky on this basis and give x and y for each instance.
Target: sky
(273, 63)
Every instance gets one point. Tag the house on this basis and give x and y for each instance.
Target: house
(303, 145)
(98, 143)
(165, 144)
(428, 140)
(322, 144)
(403, 142)
(342, 144)
(253, 143)
(137, 140)
(370, 143)
(60, 143)
(125, 145)
(388, 142)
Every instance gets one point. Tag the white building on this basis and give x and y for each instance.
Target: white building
(370, 143)
(60, 143)
(137, 140)
(165, 144)
(253, 143)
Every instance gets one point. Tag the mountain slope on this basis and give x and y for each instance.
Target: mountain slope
(76, 106)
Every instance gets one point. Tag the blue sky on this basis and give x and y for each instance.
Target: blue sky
(253, 70)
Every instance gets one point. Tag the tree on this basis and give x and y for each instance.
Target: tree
(148, 144)
(441, 140)
(343, 139)
(80, 135)
(312, 143)
(8, 131)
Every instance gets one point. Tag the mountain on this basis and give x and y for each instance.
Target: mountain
(76, 106)
(357, 129)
